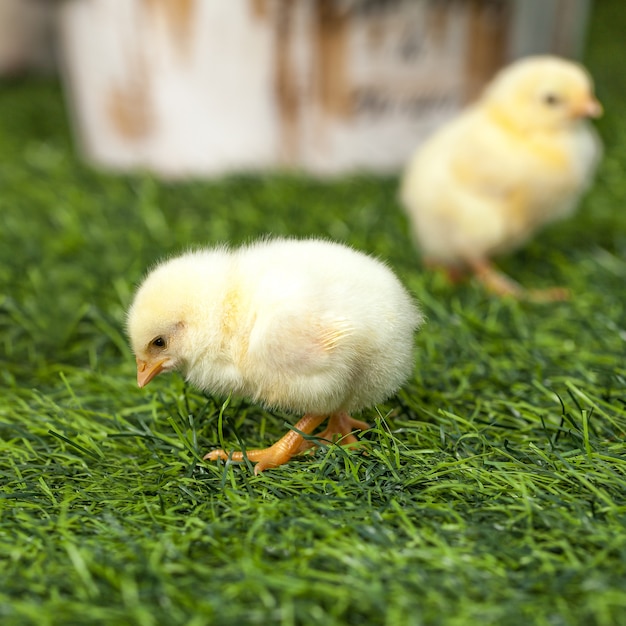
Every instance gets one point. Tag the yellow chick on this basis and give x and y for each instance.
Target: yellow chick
(520, 157)
(307, 326)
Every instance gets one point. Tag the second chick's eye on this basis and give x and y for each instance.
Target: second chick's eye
(551, 99)
(159, 342)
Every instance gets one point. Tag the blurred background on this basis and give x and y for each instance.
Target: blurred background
(132, 129)
(200, 87)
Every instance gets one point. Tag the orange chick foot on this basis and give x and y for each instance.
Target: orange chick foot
(277, 454)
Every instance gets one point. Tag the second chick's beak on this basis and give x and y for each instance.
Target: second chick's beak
(147, 371)
(590, 107)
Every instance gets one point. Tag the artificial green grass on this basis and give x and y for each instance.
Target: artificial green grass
(493, 488)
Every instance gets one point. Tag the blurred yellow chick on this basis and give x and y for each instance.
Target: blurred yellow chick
(520, 157)
(307, 326)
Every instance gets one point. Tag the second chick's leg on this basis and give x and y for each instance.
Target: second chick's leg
(502, 285)
(495, 281)
(279, 453)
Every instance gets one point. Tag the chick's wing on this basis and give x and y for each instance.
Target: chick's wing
(301, 344)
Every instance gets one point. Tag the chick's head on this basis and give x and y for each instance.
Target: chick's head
(161, 320)
(542, 93)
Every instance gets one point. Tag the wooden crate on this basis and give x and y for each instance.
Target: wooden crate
(197, 87)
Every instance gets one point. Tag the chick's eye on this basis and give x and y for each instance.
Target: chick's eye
(551, 99)
(159, 342)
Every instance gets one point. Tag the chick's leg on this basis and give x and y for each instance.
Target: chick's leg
(340, 427)
(495, 281)
(502, 285)
(278, 454)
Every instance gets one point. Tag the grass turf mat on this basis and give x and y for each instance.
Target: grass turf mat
(493, 488)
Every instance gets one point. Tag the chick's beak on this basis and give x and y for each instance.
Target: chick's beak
(590, 107)
(147, 371)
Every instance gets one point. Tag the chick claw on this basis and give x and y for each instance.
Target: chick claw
(339, 424)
